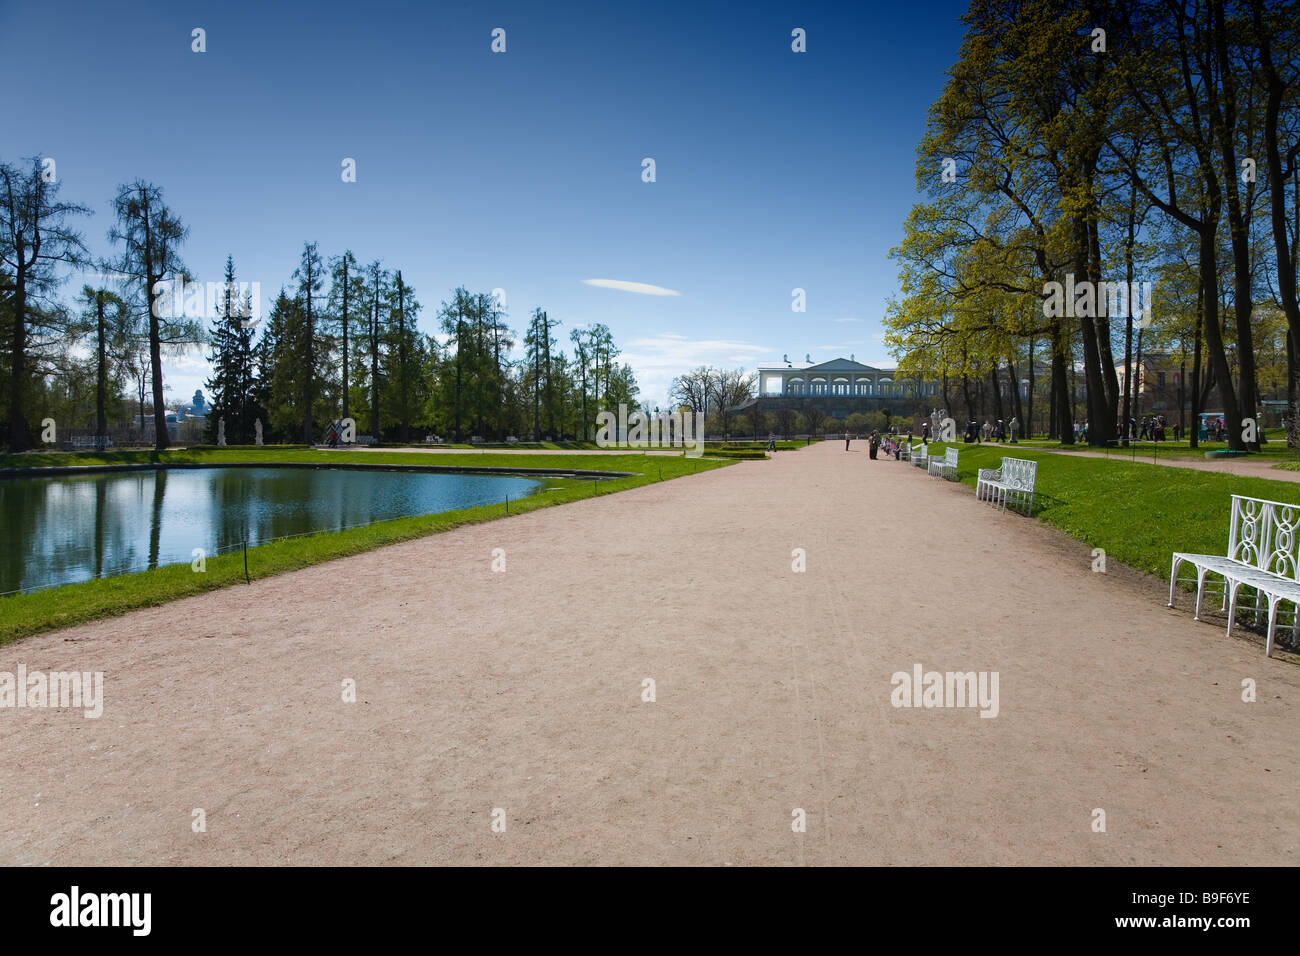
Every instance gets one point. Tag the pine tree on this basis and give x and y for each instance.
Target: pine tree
(232, 389)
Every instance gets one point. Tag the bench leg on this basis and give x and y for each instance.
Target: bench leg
(1230, 592)
(1173, 580)
(1272, 624)
(1200, 590)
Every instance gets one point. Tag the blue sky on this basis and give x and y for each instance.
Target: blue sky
(518, 170)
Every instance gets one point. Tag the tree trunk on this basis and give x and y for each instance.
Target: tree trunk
(1028, 430)
(1195, 434)
(101, 375)
(19, 440)
(161, 440)
(1061, 393)
(1292, 390)
(345, 337)
(374, 363)
(1214, 337)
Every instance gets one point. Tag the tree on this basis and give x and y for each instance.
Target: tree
(406, 353)
(732, 387)
(34, 237)
(582, 354)
(106, 318)
(233, 387)
(152, 235)
(309, 275)
(347, 292)
(1276, 27)
(376, 292)
(814, 415)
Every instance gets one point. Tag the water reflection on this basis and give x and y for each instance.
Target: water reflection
(65, 529)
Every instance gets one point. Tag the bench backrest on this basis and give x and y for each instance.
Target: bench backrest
(950, 457)
(1019, 473)
(1265, 535)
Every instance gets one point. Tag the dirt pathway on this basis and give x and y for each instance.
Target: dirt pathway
(522, 690)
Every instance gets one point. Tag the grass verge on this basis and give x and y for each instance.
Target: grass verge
(1138, 513)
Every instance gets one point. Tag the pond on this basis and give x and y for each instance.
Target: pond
(57, 530)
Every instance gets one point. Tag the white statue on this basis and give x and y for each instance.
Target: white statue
(1015, 429)
(221, 432)
(257, 431)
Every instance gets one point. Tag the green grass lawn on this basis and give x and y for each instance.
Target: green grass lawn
(1273, 450)
(24, 614)
(1137, 512)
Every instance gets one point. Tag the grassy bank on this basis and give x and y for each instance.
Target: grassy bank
(1139, 513)
(1274, 450)
(25, 614)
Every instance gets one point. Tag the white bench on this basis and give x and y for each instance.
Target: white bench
(1263, 554)
(1015, 478)
(920, 453)
(945, 467)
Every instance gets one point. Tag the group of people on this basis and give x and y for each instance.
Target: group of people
(990, 431)
(1152, 428)
(891, 442)
(1213, 429)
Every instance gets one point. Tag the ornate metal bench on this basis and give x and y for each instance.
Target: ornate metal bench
(920, 454)
(1015, 478)
(1263, 554)
(945, 467)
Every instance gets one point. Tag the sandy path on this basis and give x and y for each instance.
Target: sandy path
(522, 690)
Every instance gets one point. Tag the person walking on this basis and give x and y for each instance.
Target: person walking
(874, 444)
(771, 441)
(846, 441)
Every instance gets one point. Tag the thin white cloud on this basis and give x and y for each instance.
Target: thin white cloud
(640, 288)
(847, 320)
(658, 359)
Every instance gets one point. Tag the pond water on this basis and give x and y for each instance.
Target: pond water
(57, 530)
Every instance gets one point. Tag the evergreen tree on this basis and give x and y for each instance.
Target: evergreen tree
(309, 276)
(233, 387)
